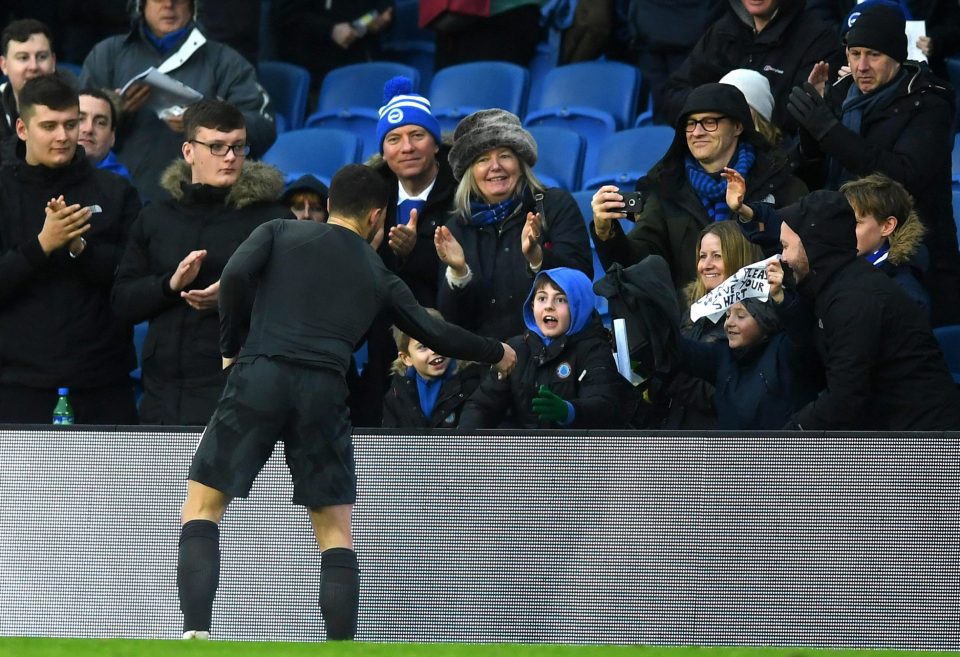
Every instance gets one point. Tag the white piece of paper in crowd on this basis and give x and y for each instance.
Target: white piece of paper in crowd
(915, 30)
(621, 353)
(750, 282)
(165, 92)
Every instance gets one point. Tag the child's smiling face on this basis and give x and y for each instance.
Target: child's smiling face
(551, 310)
(428, 363)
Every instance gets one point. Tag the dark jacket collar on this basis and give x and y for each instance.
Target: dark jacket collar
(258, 182)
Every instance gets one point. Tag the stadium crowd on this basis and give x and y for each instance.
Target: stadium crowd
(805, 142)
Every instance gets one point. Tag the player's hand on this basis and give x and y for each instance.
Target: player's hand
(403, 237)
(925, 44)
(606, 204)
(204, 299)
(775, 278)
(62, 224)
(187, 270)
(135, 97)
(819, 75)
(530, 241)
(507, 362)
(449, 251)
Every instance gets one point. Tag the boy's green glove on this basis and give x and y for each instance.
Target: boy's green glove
(550, 407)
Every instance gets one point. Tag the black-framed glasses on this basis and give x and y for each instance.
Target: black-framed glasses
(218, 149)
(710, 124)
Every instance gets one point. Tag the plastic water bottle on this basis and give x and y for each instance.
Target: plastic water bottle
(63, 411)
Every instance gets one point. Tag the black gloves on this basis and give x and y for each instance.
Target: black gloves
(809, 109)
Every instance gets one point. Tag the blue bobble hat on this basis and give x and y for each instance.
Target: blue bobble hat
(403, 107)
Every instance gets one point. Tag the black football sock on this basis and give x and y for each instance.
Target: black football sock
(198, 572)
(339, 593)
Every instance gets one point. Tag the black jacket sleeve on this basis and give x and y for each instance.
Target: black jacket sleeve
(138, 293)
(487, 406)
(443, 337)
(236, 283)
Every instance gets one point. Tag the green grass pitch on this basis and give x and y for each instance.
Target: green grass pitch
(43, 647)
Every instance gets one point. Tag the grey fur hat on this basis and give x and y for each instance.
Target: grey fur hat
(491, 128)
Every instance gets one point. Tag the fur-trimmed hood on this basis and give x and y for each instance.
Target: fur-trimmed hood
(258, 182)
(906, 241)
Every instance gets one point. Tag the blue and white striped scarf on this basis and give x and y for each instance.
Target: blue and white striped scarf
(711, 189)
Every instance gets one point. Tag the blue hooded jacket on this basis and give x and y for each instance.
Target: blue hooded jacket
(580, 299)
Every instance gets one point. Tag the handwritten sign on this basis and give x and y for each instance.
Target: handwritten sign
(748, 283)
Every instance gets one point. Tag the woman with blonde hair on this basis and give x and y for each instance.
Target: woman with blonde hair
(506, 227)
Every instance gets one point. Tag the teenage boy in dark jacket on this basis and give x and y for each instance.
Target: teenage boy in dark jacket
(63, 224)
(566, 376)
(170, 273)
(884, 369)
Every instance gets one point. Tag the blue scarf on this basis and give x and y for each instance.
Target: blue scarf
(711, 189)
(855, 107)
(879, 255)
(484, 214)
(429, 389)
(165, 43)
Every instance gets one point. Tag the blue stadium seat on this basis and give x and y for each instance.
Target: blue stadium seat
(612, 87)
(69, 66)
(956, 211)
(318, 151)
(949, 339)
(544, 61)
(288, 86)
(956, 160)
(457, 91)
(625, 156)
(139, 336)
(593, 125)
(405, 42)
(560, 157)
(351, 95)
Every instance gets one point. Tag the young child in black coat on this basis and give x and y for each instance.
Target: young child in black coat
(427, 390)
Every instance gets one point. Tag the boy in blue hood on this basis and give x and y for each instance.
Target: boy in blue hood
(565, 375)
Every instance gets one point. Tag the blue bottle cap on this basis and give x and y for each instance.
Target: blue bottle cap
(63, 391)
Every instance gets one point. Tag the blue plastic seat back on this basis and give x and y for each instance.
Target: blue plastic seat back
(625, 156)
(318, 151)
(288, 86)
(955, 158)
(612, 87)
(560, 154)
(361, 122)
(591, 124)
(457, 91)
(360, 85)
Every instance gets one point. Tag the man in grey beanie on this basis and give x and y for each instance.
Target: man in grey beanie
(889, 116)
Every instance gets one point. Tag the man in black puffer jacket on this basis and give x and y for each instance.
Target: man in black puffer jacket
(890, 116)
(170, 273)
(56, 327)
(778, 38)
(884, 369)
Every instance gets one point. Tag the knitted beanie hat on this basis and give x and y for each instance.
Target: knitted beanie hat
(403, 107)
(880, 27)
(755, 88)
(487, 129)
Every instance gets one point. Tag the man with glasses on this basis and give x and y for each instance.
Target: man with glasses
(170, 273)
(686, 191)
